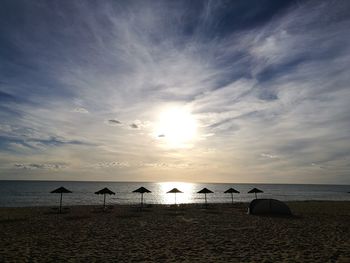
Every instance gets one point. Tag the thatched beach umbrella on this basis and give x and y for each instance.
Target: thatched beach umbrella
(105, 191)
(61, 190)
(231, 191)
(142, 190)
(255, 191)
(205, 191)
(174, 191)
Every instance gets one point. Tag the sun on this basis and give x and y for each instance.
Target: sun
(176, 127)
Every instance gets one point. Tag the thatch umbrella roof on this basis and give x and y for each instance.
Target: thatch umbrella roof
(141, 190)
(174, 191)
(255, 191)
(105, 191)
(231, 191)
(61, 190)
(205, 191)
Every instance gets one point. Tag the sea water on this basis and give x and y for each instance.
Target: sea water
(37, 193)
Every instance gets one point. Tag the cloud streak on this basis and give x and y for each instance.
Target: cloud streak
(267, 80)
(41, 166)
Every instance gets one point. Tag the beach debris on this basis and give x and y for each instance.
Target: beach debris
(61, 190)
(268, 206)
(105, 191)
(255, 191)
(205, 191)
(174, 191)
(141, 190)
(231, 191)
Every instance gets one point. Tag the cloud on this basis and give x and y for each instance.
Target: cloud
(4, 128)
(41, 166)
(56, 141)
(269, 79)
(26, 144)
(80, 110)
(114, 122)
(269, 156)
(6, 97)
(165, 165)
(111, 164)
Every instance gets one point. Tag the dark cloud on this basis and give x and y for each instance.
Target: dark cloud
(114, 122)
(134, 126)
(242, 15)
(6, 97)
(268, 95)
(56, 141)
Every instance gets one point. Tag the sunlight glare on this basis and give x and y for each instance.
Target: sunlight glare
(177, 127)
(181, 198)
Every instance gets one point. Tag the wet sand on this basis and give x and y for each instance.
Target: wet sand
(318, 232)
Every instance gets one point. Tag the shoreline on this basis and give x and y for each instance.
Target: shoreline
(318, 231)
(135, 205)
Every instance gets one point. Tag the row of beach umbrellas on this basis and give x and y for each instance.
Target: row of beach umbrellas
(142, 190)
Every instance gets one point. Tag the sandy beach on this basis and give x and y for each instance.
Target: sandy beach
(318, 232)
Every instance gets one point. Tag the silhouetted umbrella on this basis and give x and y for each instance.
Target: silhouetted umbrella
(255, 191)
(205, 191)
(174, 191)
(61, 190)
(231, 191)
(142, 190)
(105, 191)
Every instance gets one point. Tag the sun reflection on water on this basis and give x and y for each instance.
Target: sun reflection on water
(181, 198)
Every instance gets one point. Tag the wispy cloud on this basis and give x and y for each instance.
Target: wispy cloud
(81, 110)
(44, 166)
(269, 156)
(111, 164)
(265, 79)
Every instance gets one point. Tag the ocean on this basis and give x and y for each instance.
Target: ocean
(37, 193)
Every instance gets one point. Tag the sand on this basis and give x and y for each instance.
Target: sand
(318, 232)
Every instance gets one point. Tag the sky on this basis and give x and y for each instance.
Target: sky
(197, 91)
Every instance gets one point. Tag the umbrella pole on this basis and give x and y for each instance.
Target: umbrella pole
(205, 197)
(104, 200)
(60, 203)
(232, 198)
(175, 198)
(256, 197)
(141, 200)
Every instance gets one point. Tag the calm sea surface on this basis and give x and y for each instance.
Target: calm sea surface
(37, 193)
